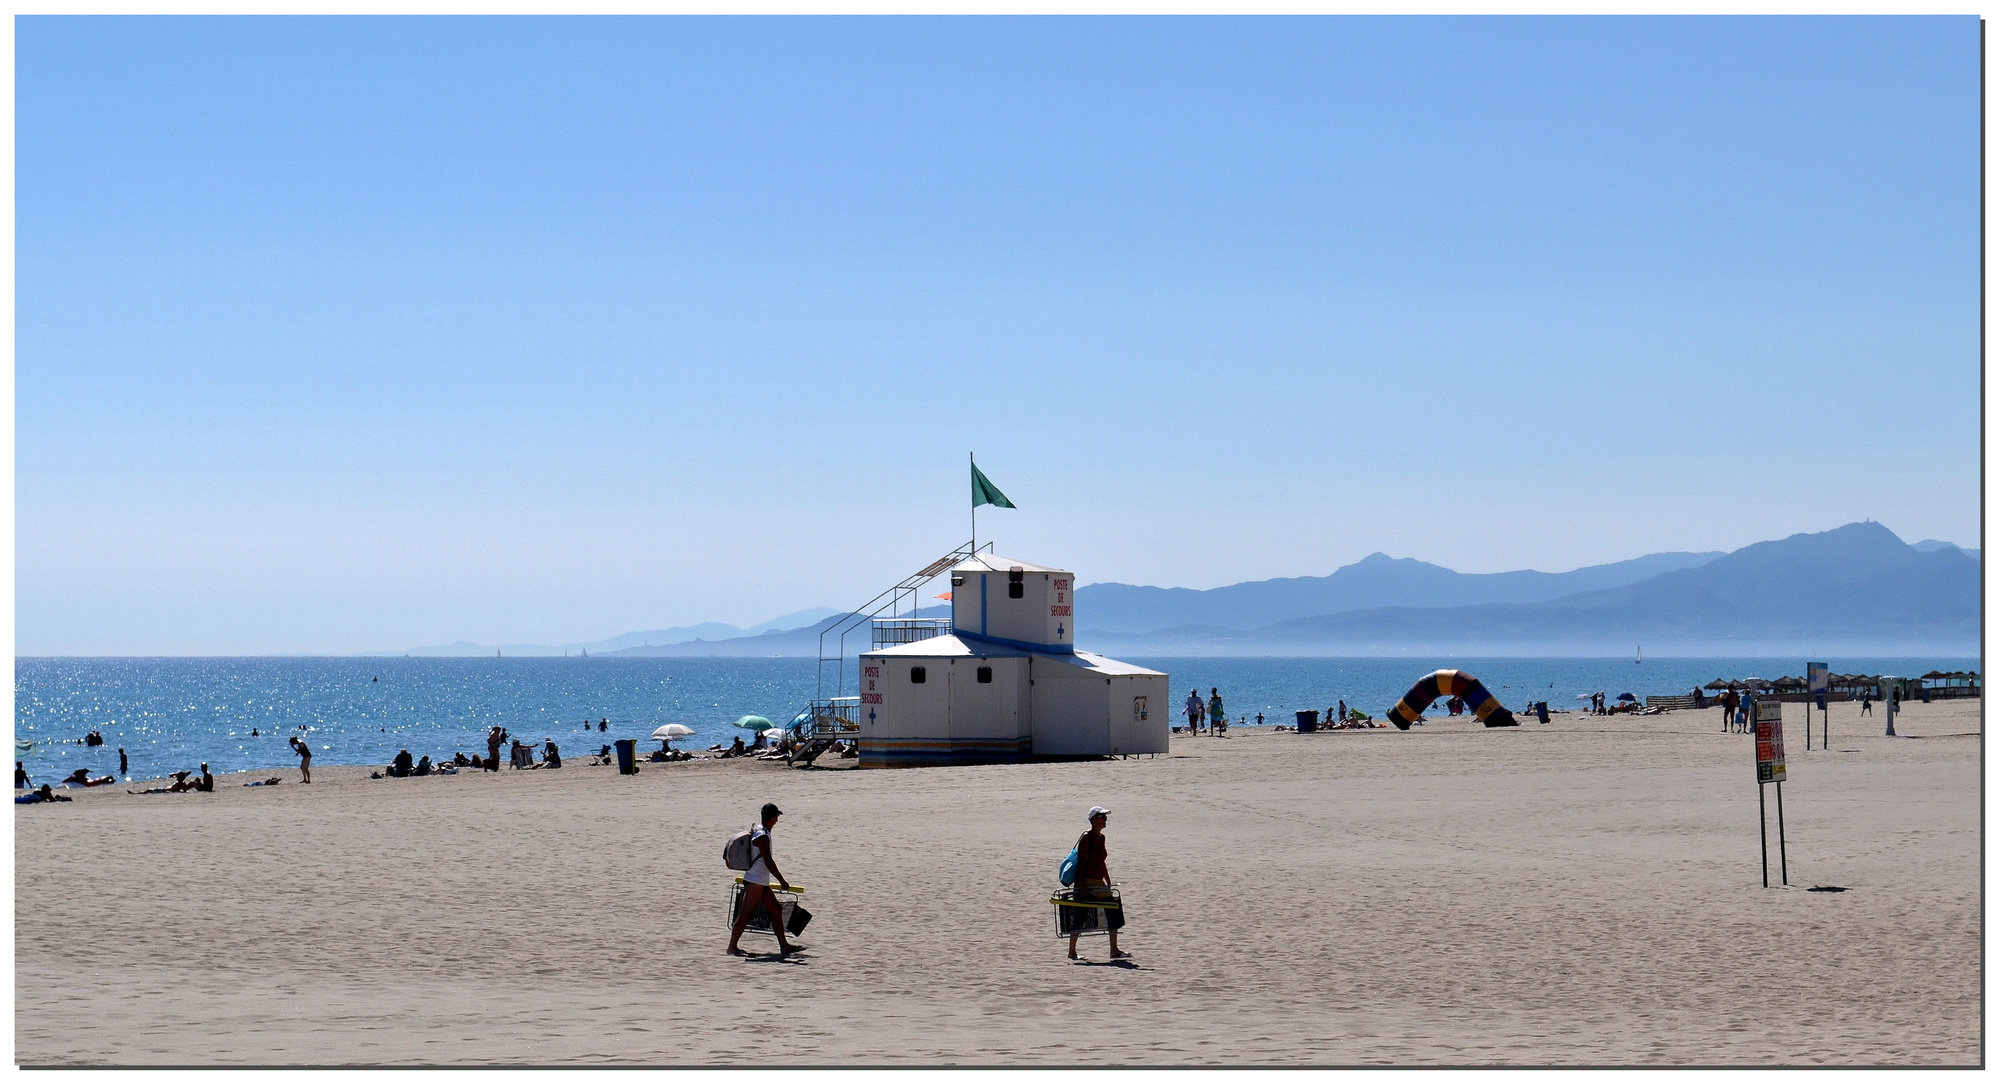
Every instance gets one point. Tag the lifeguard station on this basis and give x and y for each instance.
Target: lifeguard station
(998, 681)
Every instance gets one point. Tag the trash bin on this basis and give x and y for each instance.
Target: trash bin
(626, 756)
(1305, 721)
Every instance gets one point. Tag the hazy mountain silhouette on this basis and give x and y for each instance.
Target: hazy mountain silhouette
(1375, 581)
(1857, 589)
(799, 642)
(707, 631)
(1935, 545)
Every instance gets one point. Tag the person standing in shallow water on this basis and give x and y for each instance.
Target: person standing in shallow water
(124, 766)
(1091, 881)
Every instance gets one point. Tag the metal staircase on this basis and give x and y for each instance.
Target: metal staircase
(833, 716)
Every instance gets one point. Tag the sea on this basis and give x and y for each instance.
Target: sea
(236, 714)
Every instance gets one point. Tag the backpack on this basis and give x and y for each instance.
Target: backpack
(1070, 867)
(739, 854)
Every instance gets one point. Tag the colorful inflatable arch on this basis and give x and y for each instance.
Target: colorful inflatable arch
(1450, 684)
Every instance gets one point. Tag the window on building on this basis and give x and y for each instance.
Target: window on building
(983, 674)
(1018, 584)
(917, 674)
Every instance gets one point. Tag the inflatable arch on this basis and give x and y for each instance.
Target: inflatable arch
(1450, 684)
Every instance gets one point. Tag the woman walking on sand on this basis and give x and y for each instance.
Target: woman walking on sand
(756, 892)
(1217, 713)
(304, 757)
(1091, 881)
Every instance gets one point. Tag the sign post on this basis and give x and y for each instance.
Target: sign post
(1818, 685)
(1771, 762)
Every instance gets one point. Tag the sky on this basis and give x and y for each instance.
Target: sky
(344, 334)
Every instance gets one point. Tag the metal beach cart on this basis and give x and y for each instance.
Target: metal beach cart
(758, 920)
(1088, 916)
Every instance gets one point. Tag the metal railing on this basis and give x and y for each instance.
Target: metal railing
(833, 718)
(888, 632)
(831, 642)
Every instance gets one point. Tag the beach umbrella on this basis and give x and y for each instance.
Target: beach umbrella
(1625, 697)
(669, 732)
(755, 723)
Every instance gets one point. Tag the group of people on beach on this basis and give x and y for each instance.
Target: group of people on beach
(185, 780)
(763, 879)
(1741, 711)
(1208, 713)
(520, 754)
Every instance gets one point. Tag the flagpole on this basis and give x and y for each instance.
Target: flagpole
(973, 506)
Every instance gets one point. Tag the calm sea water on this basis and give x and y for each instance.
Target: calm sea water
(172, 714)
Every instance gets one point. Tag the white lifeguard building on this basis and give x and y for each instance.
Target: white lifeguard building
(998, 681)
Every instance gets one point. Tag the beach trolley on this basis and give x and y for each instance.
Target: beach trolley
(794, 918)
(1091, 916)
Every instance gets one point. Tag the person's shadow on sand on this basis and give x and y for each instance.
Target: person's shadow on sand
(772, 958)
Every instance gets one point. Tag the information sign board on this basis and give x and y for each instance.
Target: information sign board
(1772, 757)
(1818, 678)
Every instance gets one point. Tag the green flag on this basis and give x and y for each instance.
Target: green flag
(983, 491)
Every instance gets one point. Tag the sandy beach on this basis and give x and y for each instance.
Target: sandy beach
(1582, 893)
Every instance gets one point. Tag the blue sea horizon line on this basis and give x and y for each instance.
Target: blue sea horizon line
(172, 713)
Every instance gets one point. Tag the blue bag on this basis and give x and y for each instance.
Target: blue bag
(1070, 866)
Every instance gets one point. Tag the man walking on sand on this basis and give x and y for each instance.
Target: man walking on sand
(757, 892)
(1194, 712)
(1091, 881)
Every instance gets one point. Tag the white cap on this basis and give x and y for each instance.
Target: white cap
(1097, 811)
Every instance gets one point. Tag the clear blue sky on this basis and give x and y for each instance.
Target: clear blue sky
(346, 334)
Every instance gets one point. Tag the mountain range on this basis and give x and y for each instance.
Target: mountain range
(1378, 580)
(802, 641)
(637, 639)
(1858, 589)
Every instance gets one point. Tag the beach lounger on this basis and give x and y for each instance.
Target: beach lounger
(794, 917)
(1089, 916)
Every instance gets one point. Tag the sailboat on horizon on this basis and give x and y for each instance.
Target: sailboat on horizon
(1638, 654)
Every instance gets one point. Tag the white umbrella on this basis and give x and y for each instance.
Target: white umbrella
(669, 732)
